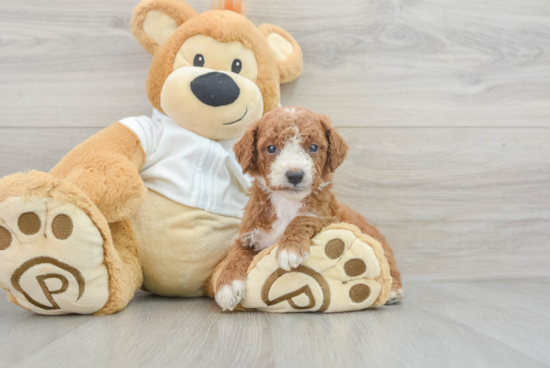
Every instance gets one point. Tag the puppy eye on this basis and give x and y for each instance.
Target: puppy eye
(236, 66)
(313, 148)
(199, 60)
(271, 150)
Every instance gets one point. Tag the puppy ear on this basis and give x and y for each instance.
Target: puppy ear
(286, 51)
(337, 146)
(245, 149)
(154, 21)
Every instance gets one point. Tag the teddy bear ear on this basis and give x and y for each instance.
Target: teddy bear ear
(154, 21)
(286, 50)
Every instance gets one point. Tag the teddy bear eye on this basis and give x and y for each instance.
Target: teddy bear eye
(236, 66)
(199, 60)
(313, 148)
(271, 149)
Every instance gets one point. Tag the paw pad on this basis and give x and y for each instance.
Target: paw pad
(29, 223)
(5, 238)
(62, 227)
(51, 257)
(335, 248)
(355, 267)
(359, 293)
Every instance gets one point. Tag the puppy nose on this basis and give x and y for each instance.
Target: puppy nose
(295, 177)
(215, 89)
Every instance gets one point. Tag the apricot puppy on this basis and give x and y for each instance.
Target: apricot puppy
(291, 153)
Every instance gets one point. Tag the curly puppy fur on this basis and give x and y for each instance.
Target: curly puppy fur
(285, 212)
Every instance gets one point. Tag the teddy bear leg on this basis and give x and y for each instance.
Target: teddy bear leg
(350, 216)
(209, 285)
(130, 276)
(346, 270)
(56, 249)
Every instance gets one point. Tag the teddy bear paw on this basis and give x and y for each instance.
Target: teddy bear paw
(51, 256)
(345, 270)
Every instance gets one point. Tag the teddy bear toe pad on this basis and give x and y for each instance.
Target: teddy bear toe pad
(51, 256)
(345, 271)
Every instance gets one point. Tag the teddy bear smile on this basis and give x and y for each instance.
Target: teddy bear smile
(236, 121)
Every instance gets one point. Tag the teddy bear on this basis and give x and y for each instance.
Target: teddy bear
(156, 202)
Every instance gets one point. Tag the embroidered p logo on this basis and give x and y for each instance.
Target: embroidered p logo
(306, 290)
(19, 275)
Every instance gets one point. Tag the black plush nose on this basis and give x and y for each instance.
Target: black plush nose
(215, 89)
(295, 177)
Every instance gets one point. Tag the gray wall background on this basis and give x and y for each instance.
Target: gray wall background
(445, 104)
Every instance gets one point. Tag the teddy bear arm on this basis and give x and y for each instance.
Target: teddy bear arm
(106, 167)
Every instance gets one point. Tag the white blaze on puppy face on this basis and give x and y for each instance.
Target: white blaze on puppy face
(292, 157)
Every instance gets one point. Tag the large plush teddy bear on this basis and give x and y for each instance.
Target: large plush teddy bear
(156, 203)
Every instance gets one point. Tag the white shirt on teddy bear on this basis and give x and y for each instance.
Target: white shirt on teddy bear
(188, 168)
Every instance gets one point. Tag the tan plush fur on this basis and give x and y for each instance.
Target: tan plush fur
(384, 280)
(291, 67)
(171, 240)
(223, 26)
(277, 128)
(121, 261)
(101, 175)
(178, 10)
(106, 168)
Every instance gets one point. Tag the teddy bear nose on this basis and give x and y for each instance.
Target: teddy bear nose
(215, 89)
(295, 177)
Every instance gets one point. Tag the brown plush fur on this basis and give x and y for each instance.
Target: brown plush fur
(101, 175)
(276, 128)
(106, 168)
(223, 26)
(292, 67)
(121, 260)
(178, 10)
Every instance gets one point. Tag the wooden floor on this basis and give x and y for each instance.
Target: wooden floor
(440, 324)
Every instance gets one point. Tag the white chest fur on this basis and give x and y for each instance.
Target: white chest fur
(286, 210)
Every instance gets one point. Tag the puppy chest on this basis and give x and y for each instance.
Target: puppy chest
(285, 211)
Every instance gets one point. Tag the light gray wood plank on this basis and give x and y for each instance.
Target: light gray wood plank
(453, 203)
(166, 332)
(19, 336)
(70, 63)
(37, 148)
(67, 63)
(507, 311)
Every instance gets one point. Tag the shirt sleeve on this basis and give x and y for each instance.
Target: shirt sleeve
(148, 131)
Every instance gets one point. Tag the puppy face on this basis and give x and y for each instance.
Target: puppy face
(293, 150)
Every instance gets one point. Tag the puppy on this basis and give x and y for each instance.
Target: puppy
(291, 153)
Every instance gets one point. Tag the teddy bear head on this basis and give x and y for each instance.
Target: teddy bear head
(214, 73)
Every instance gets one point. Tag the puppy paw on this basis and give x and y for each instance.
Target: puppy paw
(395, 296)
(229, 296)
(289, 259)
